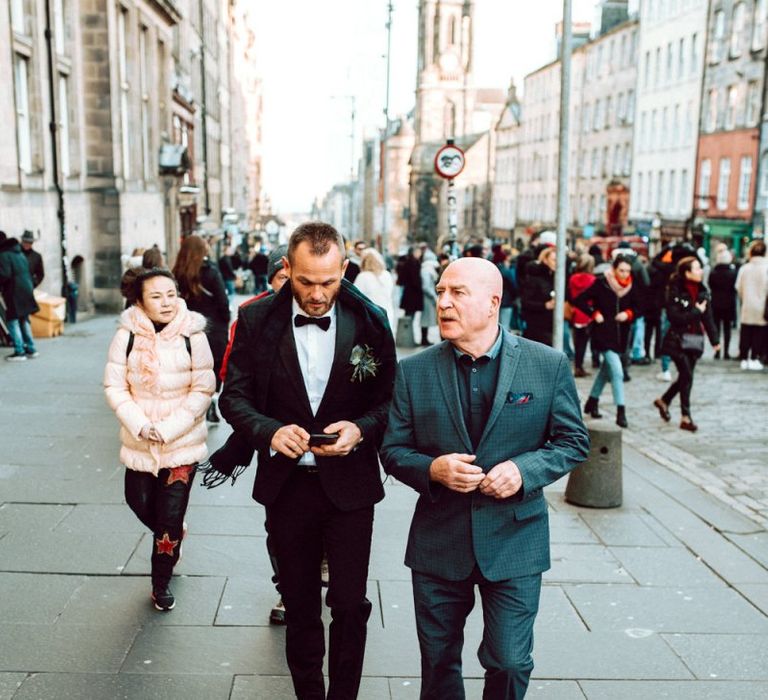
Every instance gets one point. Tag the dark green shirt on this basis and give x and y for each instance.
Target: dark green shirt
(477, 386)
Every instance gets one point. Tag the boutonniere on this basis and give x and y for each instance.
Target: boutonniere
(364, 364)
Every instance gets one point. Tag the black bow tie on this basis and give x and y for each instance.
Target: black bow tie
(323, 322)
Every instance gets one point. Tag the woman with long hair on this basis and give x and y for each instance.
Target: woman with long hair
(159, 381)
(202, 287)
(689, 311)
(611, 303)
(377, 284)
(581, 280)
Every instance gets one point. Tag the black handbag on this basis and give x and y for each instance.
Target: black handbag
(692, 342)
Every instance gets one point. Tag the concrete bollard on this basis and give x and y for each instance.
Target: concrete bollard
(597, 483)
(404, 337)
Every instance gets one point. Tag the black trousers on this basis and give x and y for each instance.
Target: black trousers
(653, 327)
(686, 364)
(509, 611)
(751, 342)
(160, 502)
(580, 341)
(723, 319)
(302, 524)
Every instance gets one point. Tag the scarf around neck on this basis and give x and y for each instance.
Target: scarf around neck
(619, 288)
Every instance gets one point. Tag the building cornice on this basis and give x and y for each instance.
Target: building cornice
(168, 10)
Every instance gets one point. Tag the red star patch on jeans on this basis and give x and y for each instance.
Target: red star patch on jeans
(166, 545)
(181, 474)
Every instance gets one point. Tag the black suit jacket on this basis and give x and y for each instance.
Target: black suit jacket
(265, 390)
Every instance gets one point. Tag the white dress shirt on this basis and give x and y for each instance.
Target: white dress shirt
(315, 349)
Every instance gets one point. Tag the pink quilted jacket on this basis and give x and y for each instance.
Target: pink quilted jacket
(160, 382)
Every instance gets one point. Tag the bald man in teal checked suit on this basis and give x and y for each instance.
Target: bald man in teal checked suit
(478, 426)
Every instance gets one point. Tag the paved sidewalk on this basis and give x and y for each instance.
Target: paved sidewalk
(665, 597)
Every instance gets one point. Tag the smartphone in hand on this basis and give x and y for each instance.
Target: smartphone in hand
(320, 439)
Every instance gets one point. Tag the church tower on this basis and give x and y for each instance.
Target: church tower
(443, 94)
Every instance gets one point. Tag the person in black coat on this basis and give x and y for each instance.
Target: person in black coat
(689, 311)
(538, 297)
(34, 259)
(17, 287)
(317, 495)
(722, 285)
(258, 266)
(202, 287)
(227, 270)
(409, 278)
(612, 302)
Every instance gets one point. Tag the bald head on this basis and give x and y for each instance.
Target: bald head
(477, 273)
(468, 300)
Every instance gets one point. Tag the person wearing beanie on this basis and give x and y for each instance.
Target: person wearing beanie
(722, 286)
(34, 259)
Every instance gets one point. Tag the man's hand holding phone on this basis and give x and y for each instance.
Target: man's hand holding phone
(349, 436)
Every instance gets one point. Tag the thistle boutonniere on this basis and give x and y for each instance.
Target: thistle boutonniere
(364, 364)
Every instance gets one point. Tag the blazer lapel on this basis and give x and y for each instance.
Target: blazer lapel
(509, 359)
(448, 380)
(345, 341)
(290, 359)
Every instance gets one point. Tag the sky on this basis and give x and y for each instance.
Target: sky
(320, 58)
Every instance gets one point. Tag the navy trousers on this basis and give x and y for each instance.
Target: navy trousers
(509, 610)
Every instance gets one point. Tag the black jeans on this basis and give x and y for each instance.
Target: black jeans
(751, 342)
(302, 522)
(686, 364)
(652, 326)
(160, 502)
(580, 341)
(723, 319)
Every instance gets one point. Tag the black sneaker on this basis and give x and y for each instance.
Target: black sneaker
(16, 357)
(277, 614)
(32, 355)
(163, 598)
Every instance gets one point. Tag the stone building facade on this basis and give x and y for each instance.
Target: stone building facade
(506, 167)
(129, 77)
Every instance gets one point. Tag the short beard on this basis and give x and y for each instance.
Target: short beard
(300, 301)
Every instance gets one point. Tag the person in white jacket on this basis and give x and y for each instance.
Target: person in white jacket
(377, 284)
(752, 288)
(159, 381)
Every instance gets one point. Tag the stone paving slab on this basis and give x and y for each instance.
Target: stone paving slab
(94, 648)
(673, 690)
(281, 688)
(125, 600)
(238, 520)
(112, 517)
(725, 656)
(665, 567)
(35, 599)
(569, 528)
(9, 683)
(102, 686)
(757, 594)
(575, 563)
(622, 529)
(26, 517)
(60, 491)
(246, 601)
(686, 609)
(164, 649)
(63, 552)
(207, 554)
(754, 544)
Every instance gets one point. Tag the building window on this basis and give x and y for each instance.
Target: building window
(653, 136)
(745, 182)
(681, 59)
(723, 183)
(711, 123)
(649, 193)
(737, 29)
(122, 63)
(21, 71)
(664, 127)
(731, 106)
(694, 53)
(627, 159)
(676, 127)
(621, 108)
(647, 69)
(657, 68)
(616, 165)
(595, 166)
(643, 145)
(659, 190)
(669, 62)
(753, 103)
(683, 190)
(672, 191)
(630, 107)
(718, 37)
(764, 175)
(608, 112)
(705, 181)
(758, 25)
(639, 192)
(604, 162)
(145, 106)
(58, 25)
(18, 18)
(64, 127)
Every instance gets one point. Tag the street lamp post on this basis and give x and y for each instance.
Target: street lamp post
(562, 188)
(384, 161)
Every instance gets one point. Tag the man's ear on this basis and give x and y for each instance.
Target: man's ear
(344, 266)
(286, 265)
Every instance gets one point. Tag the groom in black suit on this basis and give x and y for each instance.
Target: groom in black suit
(316, 358)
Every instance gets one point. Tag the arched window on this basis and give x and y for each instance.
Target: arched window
(452, 31)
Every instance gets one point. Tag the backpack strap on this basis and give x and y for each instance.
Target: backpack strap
(188, 343)
(129, 347)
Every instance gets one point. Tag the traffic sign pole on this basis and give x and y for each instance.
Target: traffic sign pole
(449, 162)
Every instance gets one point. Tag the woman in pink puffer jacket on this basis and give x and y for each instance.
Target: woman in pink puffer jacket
(159, 381)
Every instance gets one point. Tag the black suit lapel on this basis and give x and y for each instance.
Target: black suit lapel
(290, 359)
(345, 341)
(448, 380)
(508, 361)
